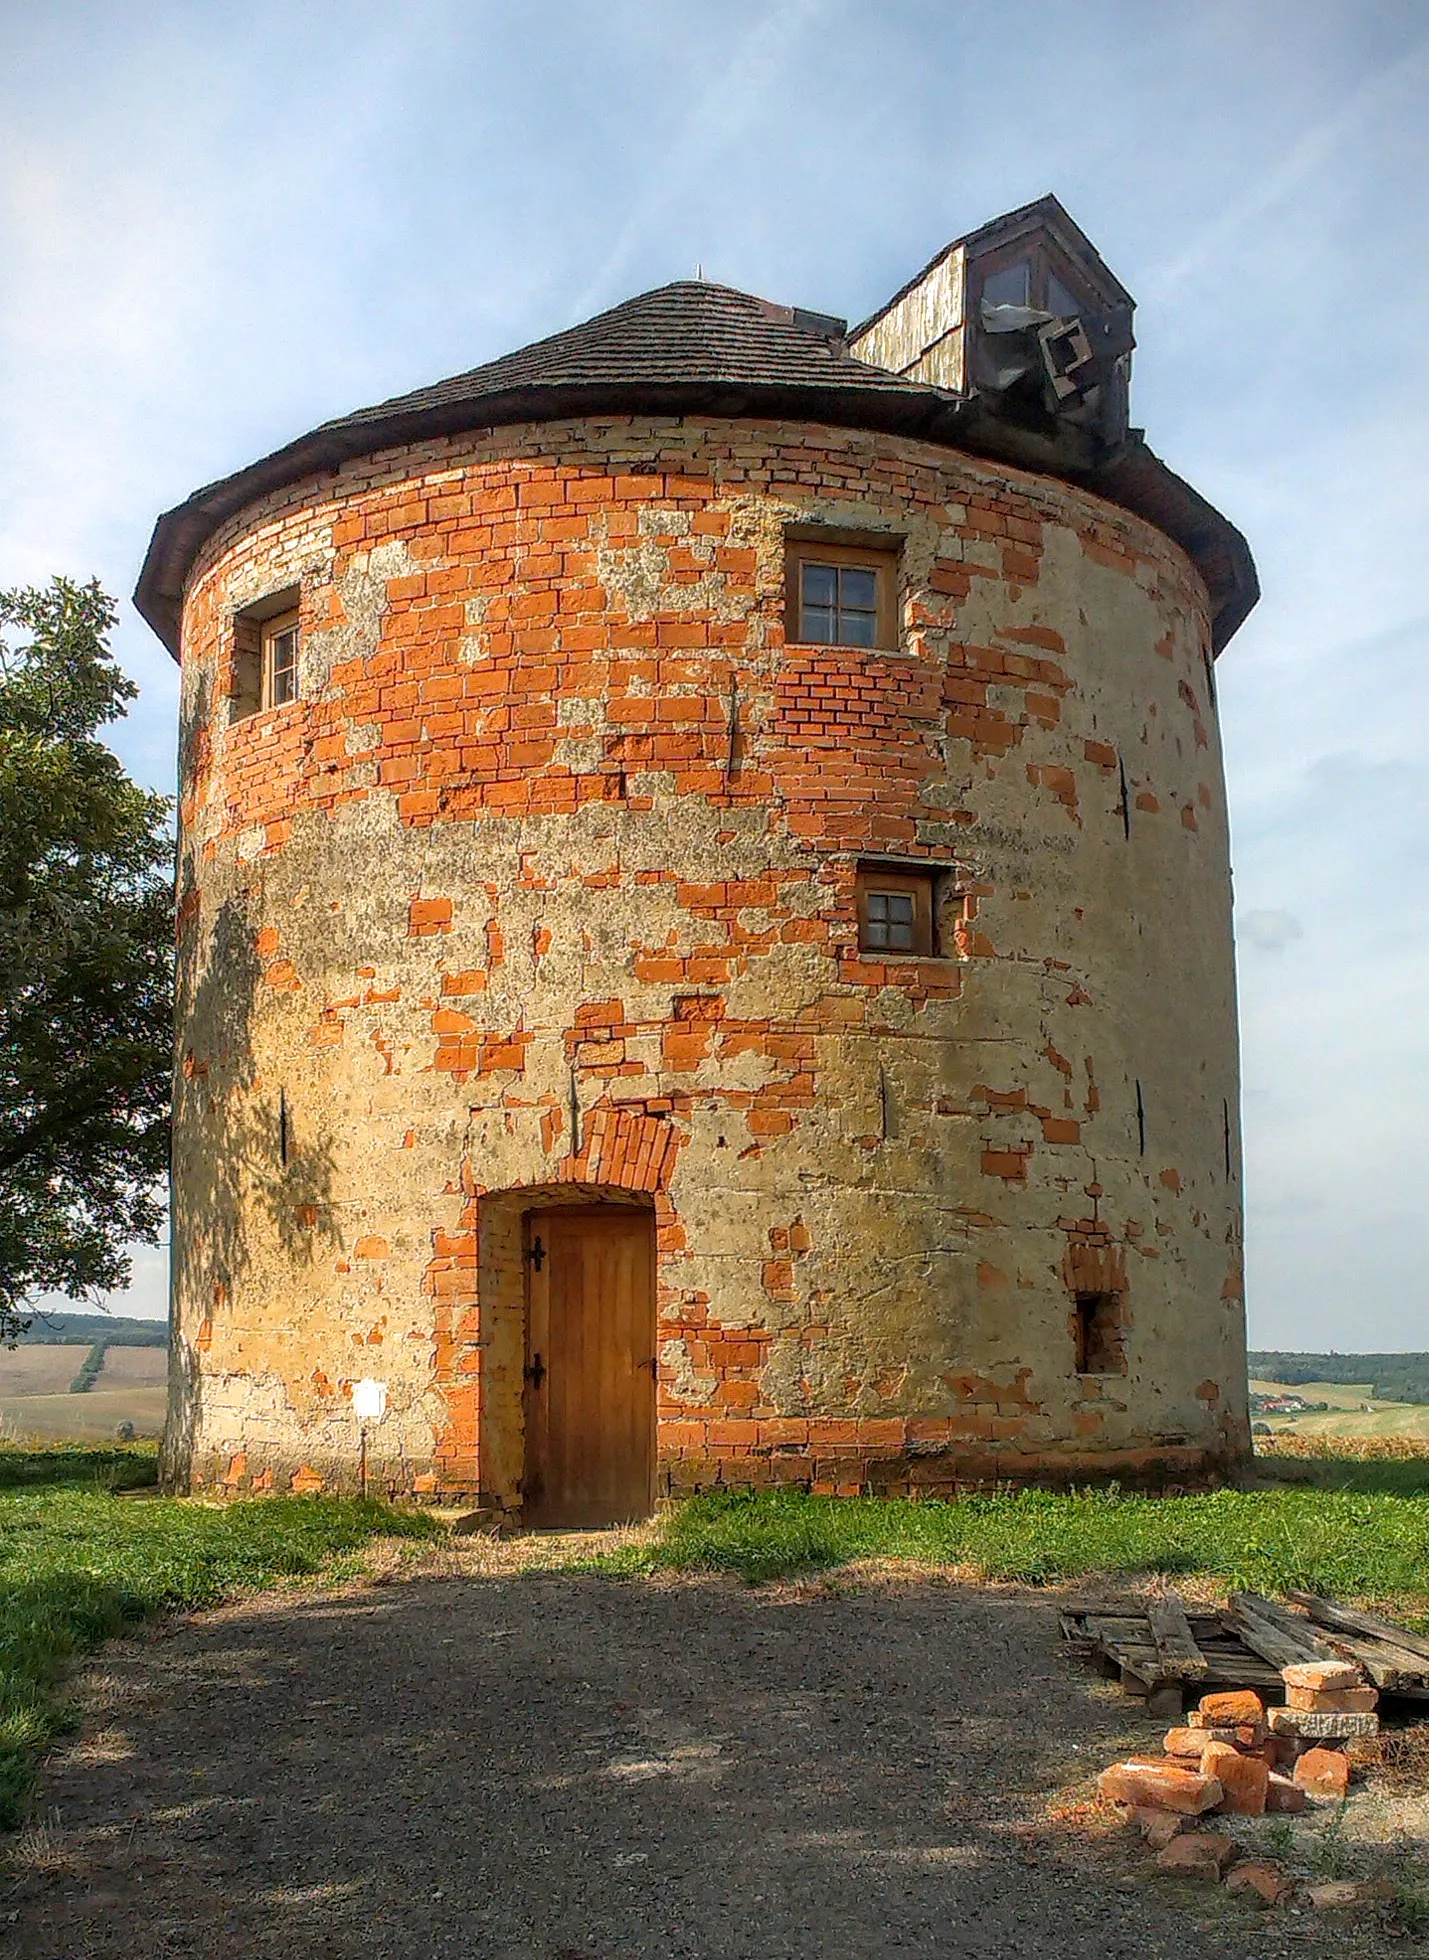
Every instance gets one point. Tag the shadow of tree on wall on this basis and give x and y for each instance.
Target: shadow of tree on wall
(249, 1161)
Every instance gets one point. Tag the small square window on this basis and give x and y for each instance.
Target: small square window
(1097, 1330)
(895, 911)
(841, 596)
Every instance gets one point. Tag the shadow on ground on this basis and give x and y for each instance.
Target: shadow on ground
(561, 1767)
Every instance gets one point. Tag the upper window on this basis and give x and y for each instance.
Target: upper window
(280, 660)
(895, 911)
(265, 655)
(841, 595)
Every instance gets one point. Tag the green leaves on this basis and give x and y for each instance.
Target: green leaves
(86, 988)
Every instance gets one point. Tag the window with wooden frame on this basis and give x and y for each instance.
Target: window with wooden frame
(265, 655)
(280, 660)
(841, 595)
(895, 911)
(1030, 272)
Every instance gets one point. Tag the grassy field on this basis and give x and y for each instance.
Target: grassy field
(1407, 1420)
(91, 1418)
(36, 1402)
(1339, 1395)
(79, 1562)
(1347, 1415)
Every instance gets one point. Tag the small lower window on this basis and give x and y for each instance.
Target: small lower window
(895, 911)
(1098, 1334)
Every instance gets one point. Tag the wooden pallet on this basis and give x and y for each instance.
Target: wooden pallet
(1159, 1645)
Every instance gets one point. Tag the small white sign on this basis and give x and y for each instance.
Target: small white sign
(369, 1400)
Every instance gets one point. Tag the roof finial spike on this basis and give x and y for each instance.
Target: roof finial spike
(700, 271)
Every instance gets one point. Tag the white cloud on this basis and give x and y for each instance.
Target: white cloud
(1269, 931)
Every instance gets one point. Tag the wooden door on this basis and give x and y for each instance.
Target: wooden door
(590, 1366)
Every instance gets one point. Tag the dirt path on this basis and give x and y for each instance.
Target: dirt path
(550, 1767)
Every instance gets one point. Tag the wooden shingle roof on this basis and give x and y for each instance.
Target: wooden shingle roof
(685, 333)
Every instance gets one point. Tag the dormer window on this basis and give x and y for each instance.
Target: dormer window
(1032, 273)
(1008, 285)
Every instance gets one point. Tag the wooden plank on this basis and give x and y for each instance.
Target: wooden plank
(1390, 1668)
(1277, 1636)
(1179, 1656)
(1124, 1641)
(1330, 1614)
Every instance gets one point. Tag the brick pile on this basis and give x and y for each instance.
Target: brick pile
(1237, 1758)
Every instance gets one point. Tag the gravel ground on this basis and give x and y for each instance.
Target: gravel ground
(500, 1765)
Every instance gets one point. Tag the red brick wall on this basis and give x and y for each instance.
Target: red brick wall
(505, 850)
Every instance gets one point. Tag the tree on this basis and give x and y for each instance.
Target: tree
(86, 960)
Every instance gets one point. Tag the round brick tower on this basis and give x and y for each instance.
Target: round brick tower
(704, 925)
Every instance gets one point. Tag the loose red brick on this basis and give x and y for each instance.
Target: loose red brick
(1322, 1675)
(1185, 1742)
(1240, 1707)
(1196, 1854)
(1333, 1701)
(1262, 1883)
(1244, 1779)
(1160, 1786)
(1283, 1793)
(1323, 1773)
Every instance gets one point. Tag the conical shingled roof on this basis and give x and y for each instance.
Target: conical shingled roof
(677, 335)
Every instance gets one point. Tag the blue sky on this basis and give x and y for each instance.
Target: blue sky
(220, 225)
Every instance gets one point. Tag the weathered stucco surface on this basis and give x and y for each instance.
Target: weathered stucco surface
(561, 833)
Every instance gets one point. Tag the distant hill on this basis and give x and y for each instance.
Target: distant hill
(1395, 1377)
(84, 1329)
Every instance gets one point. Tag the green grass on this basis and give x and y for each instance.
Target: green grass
(1356, 1538)
(79, 1563)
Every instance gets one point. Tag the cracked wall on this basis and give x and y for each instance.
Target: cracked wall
(547, 881)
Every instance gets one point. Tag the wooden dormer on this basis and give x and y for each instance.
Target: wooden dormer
(1036, 259)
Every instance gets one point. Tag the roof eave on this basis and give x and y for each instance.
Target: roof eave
(1135, 478)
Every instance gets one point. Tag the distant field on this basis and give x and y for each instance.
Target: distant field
(134, 1367)
(35, 1399)
(1389, 1419)
(38, 1370)
(1339, 1395)
(48, 1329)
(86, 1418)
(1395, 1377)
